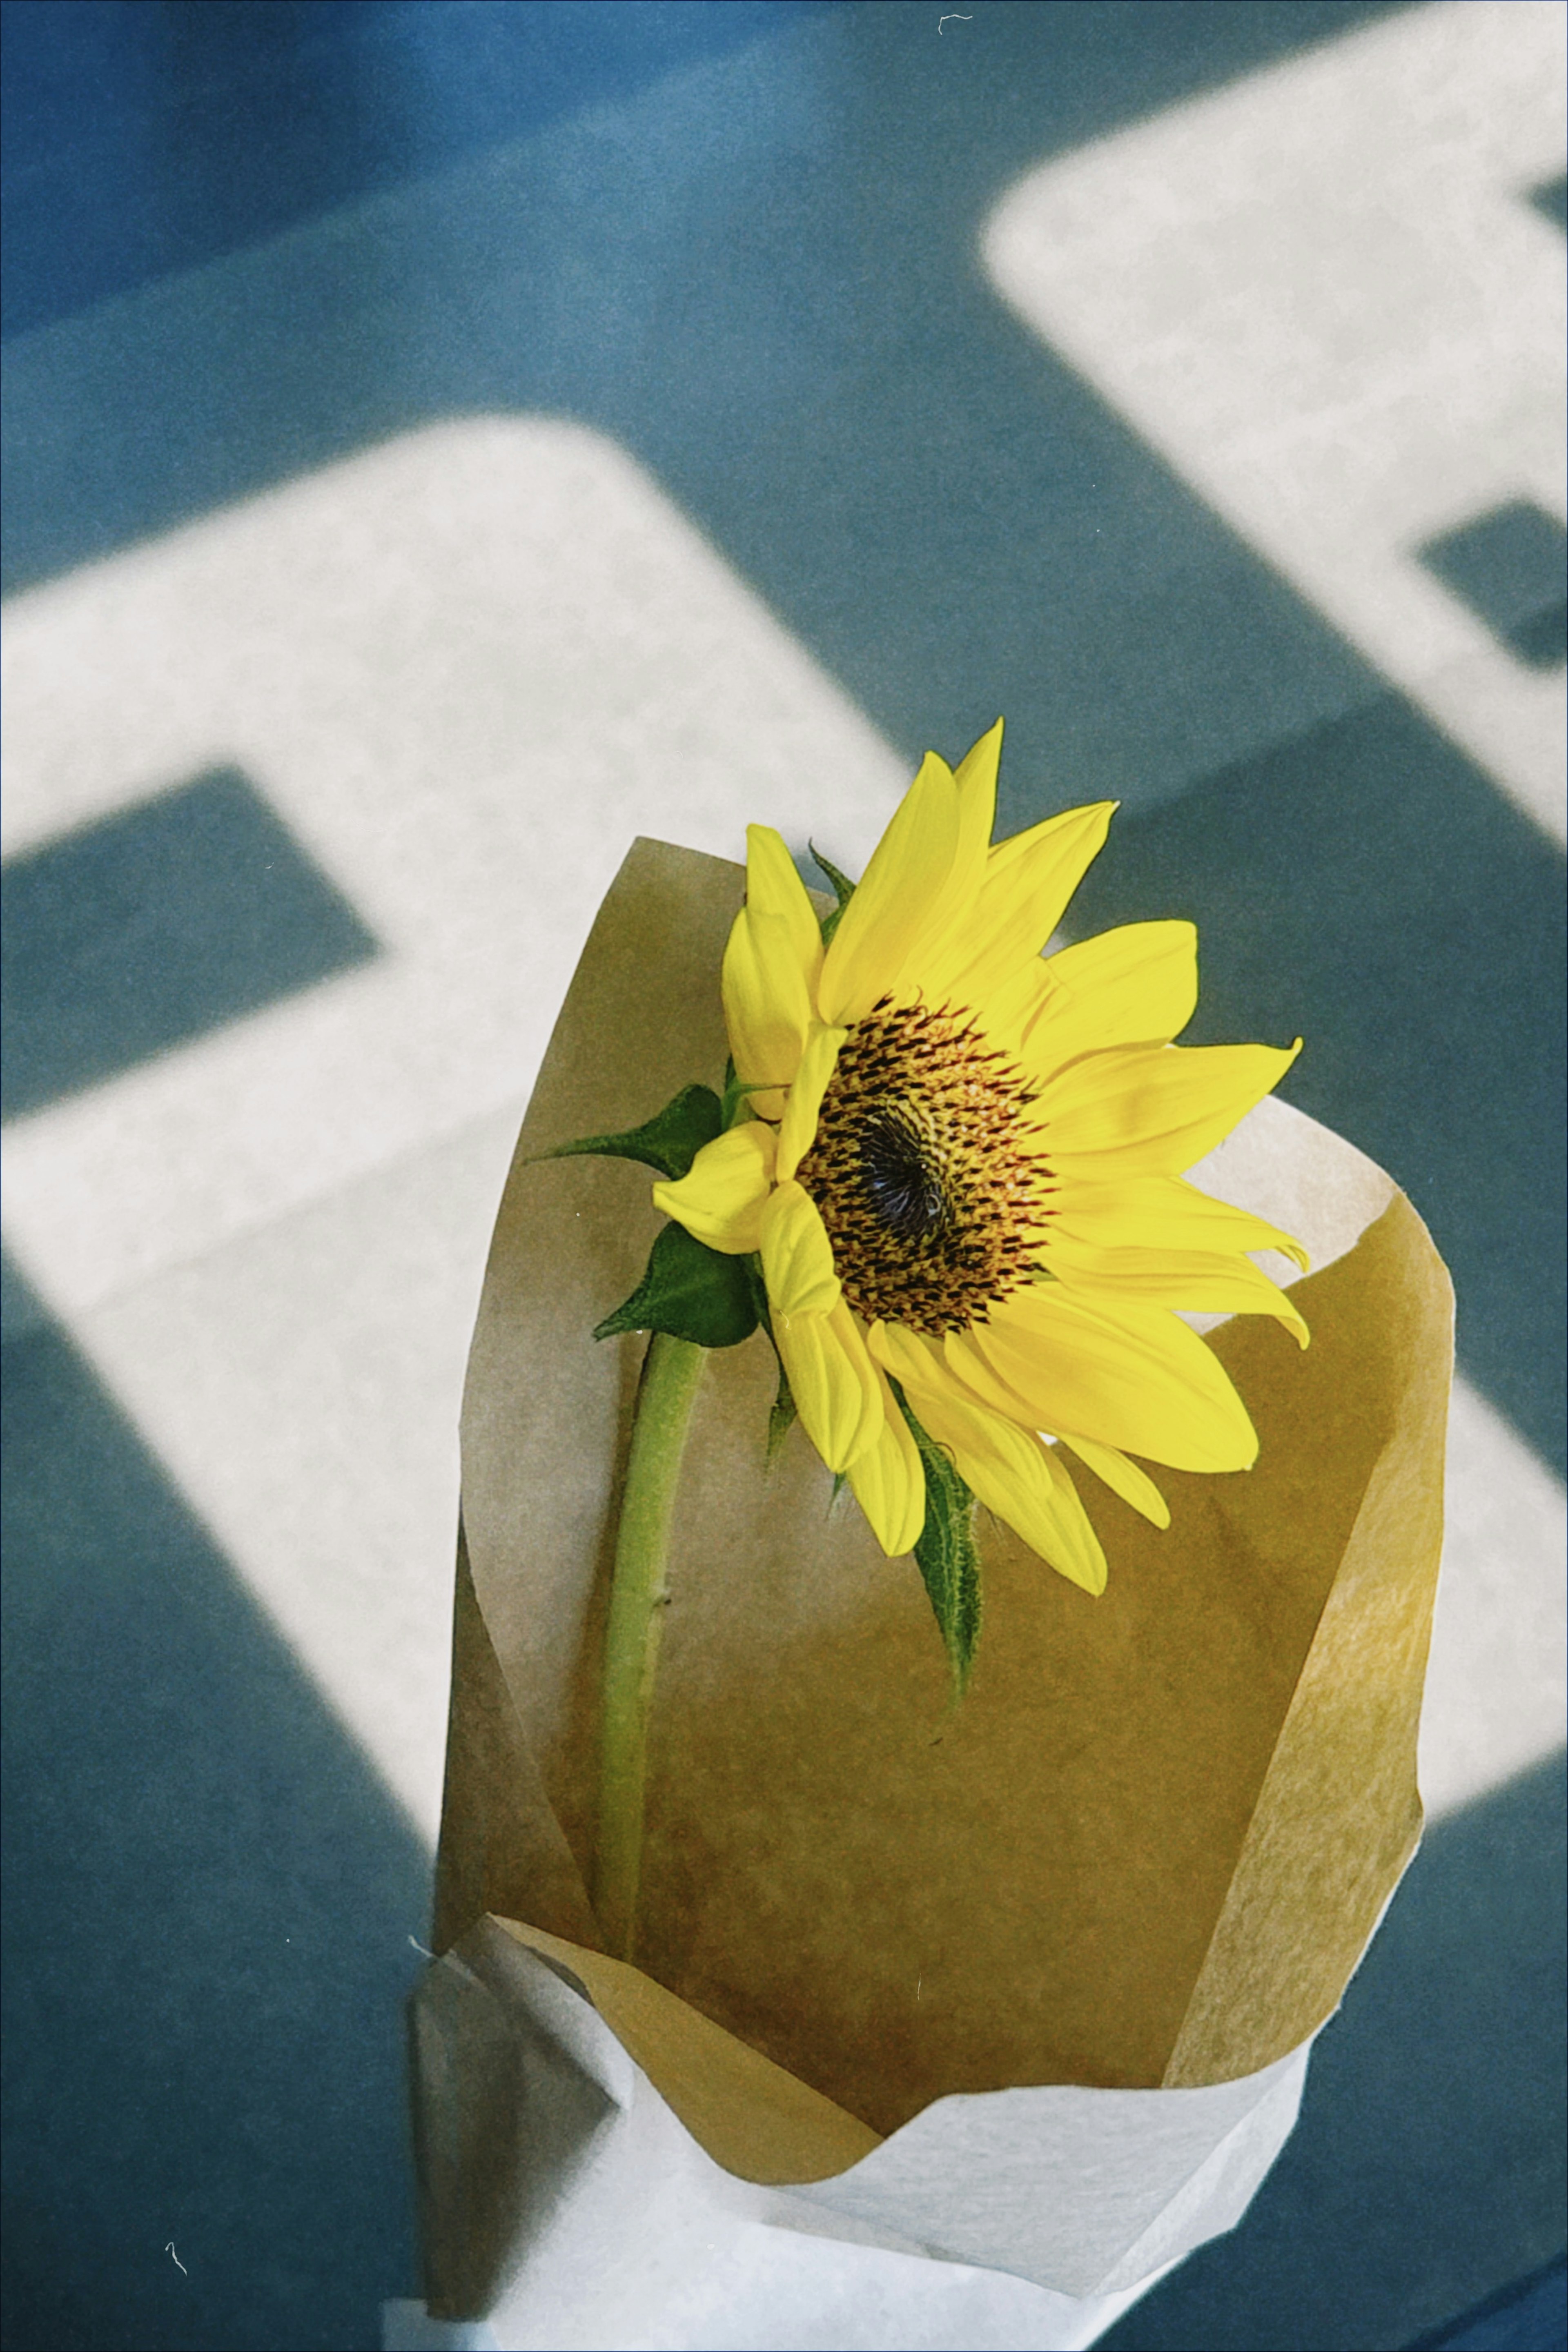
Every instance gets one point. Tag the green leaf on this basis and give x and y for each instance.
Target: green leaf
(843, 890)
(669, 1143)
(691, 1291)
(947, 1554)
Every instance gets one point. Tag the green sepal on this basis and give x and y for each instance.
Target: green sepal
(691, 1291)
(752, 1262)
(782, 1413)
(947, 1554)
(781, 1416)
(736, 1093)
(669, 1143)
(843, 890)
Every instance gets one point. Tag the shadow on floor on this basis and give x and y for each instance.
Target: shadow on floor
(154, 925)
(209, 1900)
(1427, 2159)
(142, 138)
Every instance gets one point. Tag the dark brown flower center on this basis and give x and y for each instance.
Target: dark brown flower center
(934, 1208)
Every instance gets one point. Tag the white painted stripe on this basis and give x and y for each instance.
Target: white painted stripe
(1320, 294)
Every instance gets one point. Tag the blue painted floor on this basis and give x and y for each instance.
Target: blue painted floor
(247, 239)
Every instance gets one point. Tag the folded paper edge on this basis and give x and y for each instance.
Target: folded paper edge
(1289, 1887)
(1214, 2179)
(502, 1847)
(755, 2119)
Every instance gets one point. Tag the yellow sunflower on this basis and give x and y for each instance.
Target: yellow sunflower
(961, 1166)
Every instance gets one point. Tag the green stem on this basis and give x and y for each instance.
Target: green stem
(639, 1592)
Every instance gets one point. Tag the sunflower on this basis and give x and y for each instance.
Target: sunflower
(959, 1161)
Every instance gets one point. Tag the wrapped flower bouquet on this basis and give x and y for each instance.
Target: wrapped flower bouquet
(937, 1668)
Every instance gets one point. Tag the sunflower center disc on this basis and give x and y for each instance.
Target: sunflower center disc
(932, 1204)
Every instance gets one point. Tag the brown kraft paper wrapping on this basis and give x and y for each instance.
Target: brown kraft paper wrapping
(1150, 1847)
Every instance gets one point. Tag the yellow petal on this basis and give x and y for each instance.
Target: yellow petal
(1152, 1110)
(798, 1132)
(951, 916)
(975, 782)
(913, 1359)
(889, 1482)
(770, 969)
(1008, 1008)
(1138, 1379)
(1012, 1472)
(833, 1383)
(1122, 1477)
(797, 1257)
(901, 890)
(1134, 986)
(1201, 1282)
(1021, 897)
(1164, 1212)
(767, 1006)
(721, 1199)
(774, 889)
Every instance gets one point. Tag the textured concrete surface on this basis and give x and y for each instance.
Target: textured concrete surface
(517, 440)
